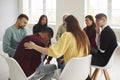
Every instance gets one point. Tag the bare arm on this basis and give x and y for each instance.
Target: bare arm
(32, 45)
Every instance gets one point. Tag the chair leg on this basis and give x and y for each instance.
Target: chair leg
(107, 77)
(90, 71)
(94, 76)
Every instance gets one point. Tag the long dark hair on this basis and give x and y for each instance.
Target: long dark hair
(37, 27)
(39, 22)
(90, 30)
(80, 36)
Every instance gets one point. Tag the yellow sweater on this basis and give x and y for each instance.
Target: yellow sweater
(66, 46)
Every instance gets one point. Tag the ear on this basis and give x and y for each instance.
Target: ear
(104, 19)
(18, 20)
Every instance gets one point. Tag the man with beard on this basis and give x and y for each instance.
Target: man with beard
(14, 34)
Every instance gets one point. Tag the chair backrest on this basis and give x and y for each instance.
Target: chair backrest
(111, 60)
(76, 69)
(4, 69)
(16, 72)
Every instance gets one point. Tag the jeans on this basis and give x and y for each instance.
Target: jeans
(60, 65)
(44, 72)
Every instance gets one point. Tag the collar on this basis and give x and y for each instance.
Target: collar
(102, 28)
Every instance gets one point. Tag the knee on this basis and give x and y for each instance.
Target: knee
(54, 66)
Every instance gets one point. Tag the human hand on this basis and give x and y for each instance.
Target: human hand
(48, 62)
(29, 45)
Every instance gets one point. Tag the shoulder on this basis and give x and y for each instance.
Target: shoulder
(61, 26)
(30, 37)
(9, 29)
(67, 34)
(49, 27)
(108, 30)
(35, 26)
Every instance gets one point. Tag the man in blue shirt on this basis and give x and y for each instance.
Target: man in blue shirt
(14, 34)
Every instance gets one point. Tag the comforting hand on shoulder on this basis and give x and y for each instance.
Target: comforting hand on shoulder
(29, 45)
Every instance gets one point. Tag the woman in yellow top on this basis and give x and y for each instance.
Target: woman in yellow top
(73, 43)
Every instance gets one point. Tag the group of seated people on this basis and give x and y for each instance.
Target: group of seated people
(97, 38)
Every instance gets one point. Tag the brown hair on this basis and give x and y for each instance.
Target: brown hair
(90, 30)
(100, 15)
(23, 16)
(80, 36)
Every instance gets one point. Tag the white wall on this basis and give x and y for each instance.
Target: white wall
(117, 32)
(10, 9)
(75, 7)
(8, 14)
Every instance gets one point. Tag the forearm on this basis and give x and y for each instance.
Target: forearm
(41, 49)
(10, 51)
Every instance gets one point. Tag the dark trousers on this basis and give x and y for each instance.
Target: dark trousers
(88, 78)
